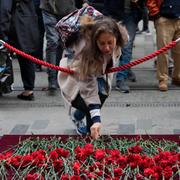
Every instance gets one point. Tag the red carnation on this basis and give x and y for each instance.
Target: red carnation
(58, 164)
(99, 154)
(148, 172)
(118, 172)
(135, 149)
(62, 152)
(168, 173)
(139, 176)
(88, 149)
(53, 155)
(75, 177)
(34, 177)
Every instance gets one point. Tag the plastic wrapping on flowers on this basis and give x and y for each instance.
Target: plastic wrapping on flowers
(82, 159)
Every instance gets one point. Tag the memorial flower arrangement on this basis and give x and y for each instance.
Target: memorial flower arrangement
(82, 159)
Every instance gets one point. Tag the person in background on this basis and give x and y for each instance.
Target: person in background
(19, 27)
(53, 11)
(41, 34)
(145, 19)
(129, 12)
(96, 50)
(80, 3)
(166, 16)
(97, 4)
(6, 71)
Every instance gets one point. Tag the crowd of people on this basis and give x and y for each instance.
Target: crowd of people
(25, 24)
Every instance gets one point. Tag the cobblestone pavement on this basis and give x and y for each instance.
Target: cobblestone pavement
(145, 110)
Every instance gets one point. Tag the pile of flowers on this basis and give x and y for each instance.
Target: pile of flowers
(82, 159)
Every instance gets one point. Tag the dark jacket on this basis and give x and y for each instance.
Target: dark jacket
(19, 24)
(170, 9)
(58, 7)
(5, 17)
(97, 4)
(116, 8)
(166, 8)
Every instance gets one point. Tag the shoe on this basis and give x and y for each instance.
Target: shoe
(80, 126)
(38, 69)
(131, 76)
(52, 92)
(176, 82)
(122, 86)
(146, 32)
(30, 97)
(163, 86)
(138, 32)
(52, 85)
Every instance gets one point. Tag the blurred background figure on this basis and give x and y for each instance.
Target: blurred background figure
(97, 4)
(145, 19)
(52, 12)
(19, 27)
(41, 33)
(6, 71)
(129, 13)
(166, 16)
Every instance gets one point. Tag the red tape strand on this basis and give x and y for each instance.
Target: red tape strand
(69, 71)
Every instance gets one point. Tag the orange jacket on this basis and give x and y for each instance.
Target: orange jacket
(154, 6)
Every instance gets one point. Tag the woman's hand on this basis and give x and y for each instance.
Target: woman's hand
(95, 130)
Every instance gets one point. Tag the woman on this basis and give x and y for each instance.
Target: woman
(97, 49)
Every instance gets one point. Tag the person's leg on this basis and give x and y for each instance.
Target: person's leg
(170, 64)
(164, 35)
(176, 54)
(131, 24)
(52, 38)
(27, 69)
(145, 20)
(77, 117)
(79, 104)
(41, 40)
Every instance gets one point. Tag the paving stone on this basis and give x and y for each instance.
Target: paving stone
(70, 132)
(126, 129)
(144, 123)
(176, 131)
(20, 129)
(174, 115)
(40, 124)
(121, 114)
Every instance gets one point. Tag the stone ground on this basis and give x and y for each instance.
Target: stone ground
(145, 110)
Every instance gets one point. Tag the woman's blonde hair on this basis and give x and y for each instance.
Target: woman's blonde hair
(91, 56)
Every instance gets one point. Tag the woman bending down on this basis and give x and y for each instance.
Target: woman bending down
(96, 50)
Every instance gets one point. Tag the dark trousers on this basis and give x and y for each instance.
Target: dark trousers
(79, 103)
(27, 69)
(145, 18)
